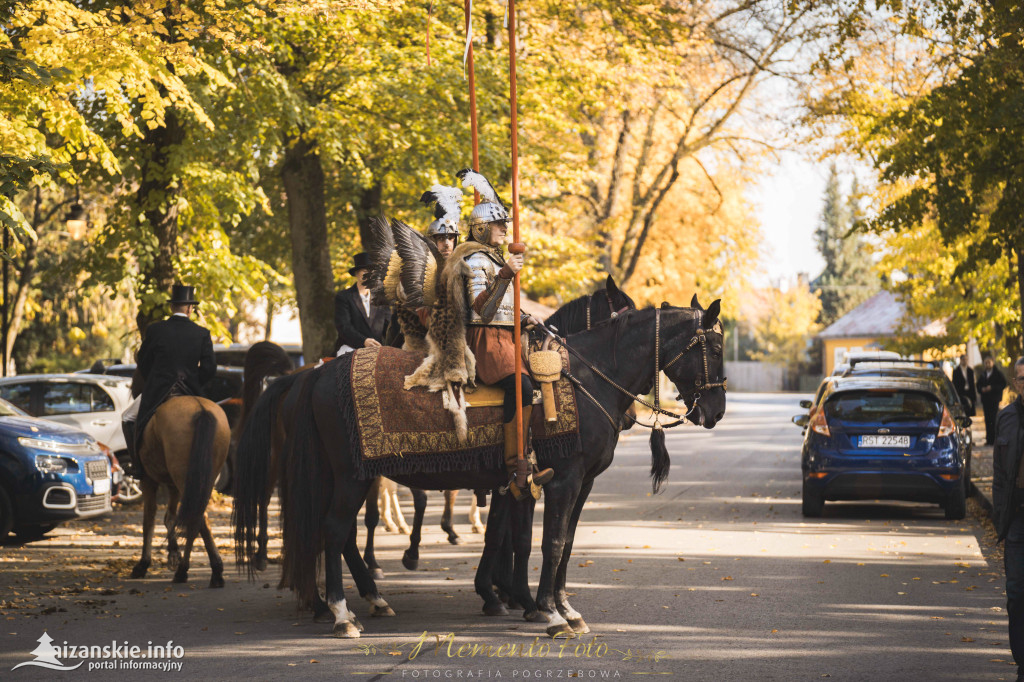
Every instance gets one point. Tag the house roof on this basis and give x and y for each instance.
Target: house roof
(878, 316)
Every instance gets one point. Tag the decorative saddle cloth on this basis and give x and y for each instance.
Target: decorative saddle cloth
(401, 431)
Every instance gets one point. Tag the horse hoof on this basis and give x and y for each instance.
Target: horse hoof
(346, 630)
(409, 562)
(454, 540)
(359, 626)
(495, 609)
(535, 617)
(217, 581)
(140, 569)
(560, 630)
(579, 626)
(381, 611)
(479, 530)
(377, 574)
(260, 563)
(180, 576)
(324, 616)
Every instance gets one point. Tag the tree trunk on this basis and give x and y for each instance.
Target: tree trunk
(1020, 302)
(303, 176)
(270, 320)
(369, 206)
(159, 190)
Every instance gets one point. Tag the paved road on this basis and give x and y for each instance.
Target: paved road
(718, 578)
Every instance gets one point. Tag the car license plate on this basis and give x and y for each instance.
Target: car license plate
(885, 441)
(101, 487)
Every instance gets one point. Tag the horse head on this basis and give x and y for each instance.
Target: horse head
(693, 359)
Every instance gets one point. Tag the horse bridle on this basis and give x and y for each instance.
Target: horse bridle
(612, 313)
(701, 384)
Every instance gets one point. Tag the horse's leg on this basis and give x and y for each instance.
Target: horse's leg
(411, 557)
(503, 562)
(446, 517)
(575, 620)
(149, 488)
(396, 504)
(474, 517)
(364, 581)
(181, 574)
(216, 563)
(170, 517)
(339, 525)
(370, 519)
(493, 540)
(383, 501)
(518, 554)
(560, 497)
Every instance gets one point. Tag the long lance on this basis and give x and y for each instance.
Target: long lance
(472, 94)
(516, 246)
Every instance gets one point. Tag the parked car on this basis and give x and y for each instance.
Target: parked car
(234, 355)
(882, 437)
(49, 473)
(849, 357)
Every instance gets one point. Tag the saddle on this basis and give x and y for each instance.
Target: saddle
(399, 431)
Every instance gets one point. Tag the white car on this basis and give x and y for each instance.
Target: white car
(89, 402)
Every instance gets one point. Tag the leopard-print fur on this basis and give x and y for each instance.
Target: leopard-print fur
(413, 330)
(450, 363)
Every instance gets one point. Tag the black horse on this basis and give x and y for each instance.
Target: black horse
(576, 315)
(321, 492)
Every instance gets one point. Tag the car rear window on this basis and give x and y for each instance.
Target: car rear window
(883, 406)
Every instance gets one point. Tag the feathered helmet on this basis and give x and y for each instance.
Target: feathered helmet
(447, 210)
(489, 210)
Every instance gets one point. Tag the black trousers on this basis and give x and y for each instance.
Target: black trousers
(1013, 562)
(508, 384)
(990, 421)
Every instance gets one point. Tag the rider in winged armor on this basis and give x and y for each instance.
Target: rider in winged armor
(469, 294)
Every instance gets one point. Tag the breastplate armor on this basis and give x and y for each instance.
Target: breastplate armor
(484, 267)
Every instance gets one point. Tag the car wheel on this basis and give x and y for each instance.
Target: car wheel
(6, 514)
(956, 504)
(33, 532)
(130, 490)
(813, 502)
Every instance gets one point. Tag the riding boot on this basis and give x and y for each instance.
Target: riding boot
(522, 472)
(128, 428)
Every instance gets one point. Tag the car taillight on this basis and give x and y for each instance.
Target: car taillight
(818, 423)
(946, 426)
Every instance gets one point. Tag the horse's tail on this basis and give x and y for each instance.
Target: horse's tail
(200, 476)
(305, 494)
(659, 459)
(252, 469)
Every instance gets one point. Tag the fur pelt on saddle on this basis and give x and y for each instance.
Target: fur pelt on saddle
(450, 365)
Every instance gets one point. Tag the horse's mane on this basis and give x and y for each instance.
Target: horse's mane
(572, 315)
(263, 359)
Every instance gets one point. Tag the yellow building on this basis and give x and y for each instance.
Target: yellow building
(866, 327)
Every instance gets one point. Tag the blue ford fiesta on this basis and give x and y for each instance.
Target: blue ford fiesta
(884, 438)
(49, 473)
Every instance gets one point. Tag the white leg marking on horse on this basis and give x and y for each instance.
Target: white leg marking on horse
(570, 613)
(340, 611)
(376, 601)
(556, 619)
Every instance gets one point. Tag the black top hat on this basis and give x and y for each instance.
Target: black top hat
(360, 262)
(182, 295)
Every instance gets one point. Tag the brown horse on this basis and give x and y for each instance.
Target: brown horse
(183, 447)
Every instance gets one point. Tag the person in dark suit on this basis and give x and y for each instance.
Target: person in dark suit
(990, 387)
(359, 323)
(176, 358)
(963, 383)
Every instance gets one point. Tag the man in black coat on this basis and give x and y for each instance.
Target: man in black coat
(990, 387)
(963, 383)
(1008, 510)
(176, 358)
(359, 323)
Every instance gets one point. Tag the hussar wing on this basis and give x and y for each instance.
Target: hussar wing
(421, 262)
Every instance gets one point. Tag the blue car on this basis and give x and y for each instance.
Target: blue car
(884, 438)
(49, 473)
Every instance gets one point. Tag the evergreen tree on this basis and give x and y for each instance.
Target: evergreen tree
(848, 278)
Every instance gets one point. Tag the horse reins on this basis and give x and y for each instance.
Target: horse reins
(701, 384)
